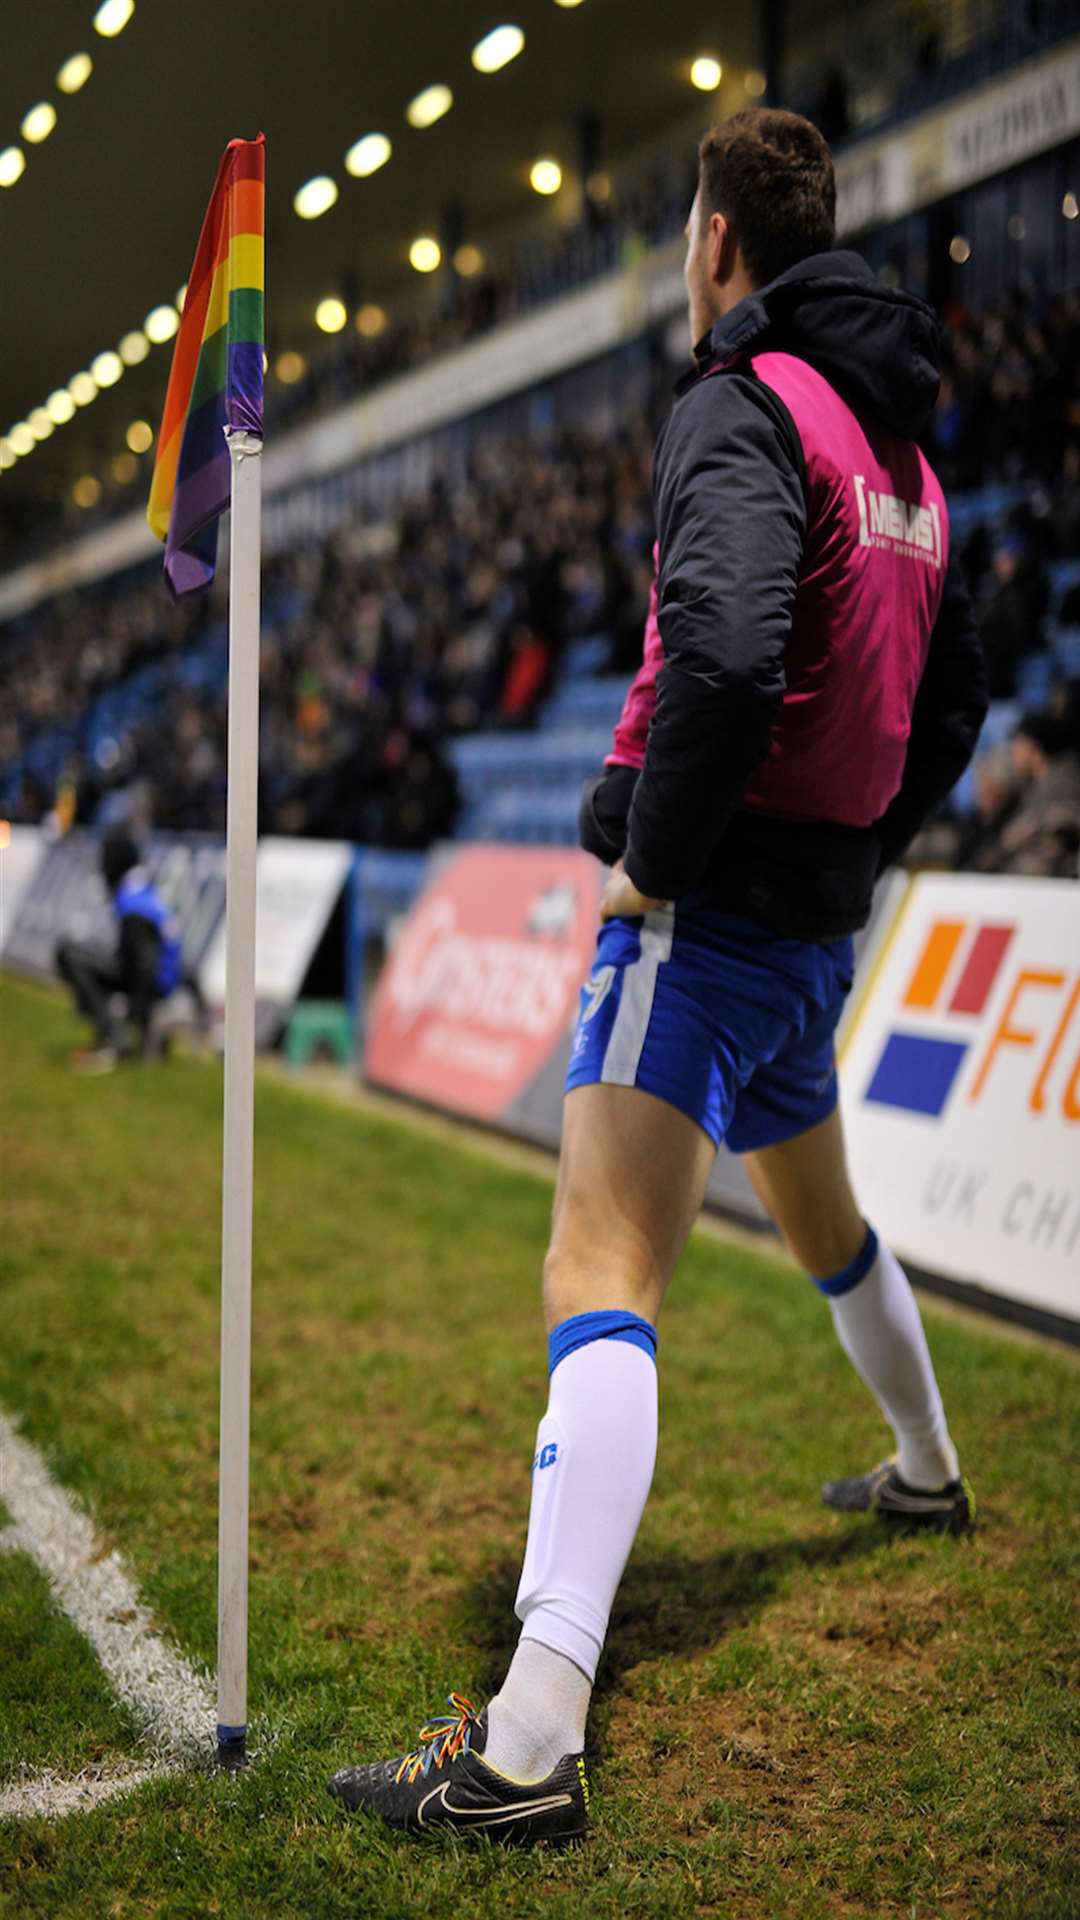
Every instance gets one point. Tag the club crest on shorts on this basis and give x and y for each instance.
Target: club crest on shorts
(596, 989)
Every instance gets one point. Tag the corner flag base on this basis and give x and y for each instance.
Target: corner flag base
(232, 1748)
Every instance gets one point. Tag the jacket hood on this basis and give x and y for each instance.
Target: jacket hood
(880, 347)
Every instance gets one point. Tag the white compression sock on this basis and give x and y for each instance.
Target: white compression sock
(595, 1452)
(538, 1714)
(878, 1324)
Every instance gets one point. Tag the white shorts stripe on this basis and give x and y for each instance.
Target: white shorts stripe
(622, 1055)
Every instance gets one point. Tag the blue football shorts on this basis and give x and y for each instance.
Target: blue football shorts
(711, 1012)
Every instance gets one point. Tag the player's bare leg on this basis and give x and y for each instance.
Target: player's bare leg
(804, 1187)
(632, 1178)
(803, 1183)
(631, 1181)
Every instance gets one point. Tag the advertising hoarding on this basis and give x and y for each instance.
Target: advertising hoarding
(66, 898)
(481, 989)
(960, 1084)
(297, 886)
(21, 849)
(298, 883)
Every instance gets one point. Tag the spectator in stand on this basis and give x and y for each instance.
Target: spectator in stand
(832, 111)
(970, 842)
(1041, 835)
(1010, 610)
(997, 796)
(947, 434)
(528, 678)
(1011, 386)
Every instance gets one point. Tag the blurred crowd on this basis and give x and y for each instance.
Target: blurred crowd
(1026, 813)
(1009, 405)
(386, 640)
(1008, 417)
(379, 644)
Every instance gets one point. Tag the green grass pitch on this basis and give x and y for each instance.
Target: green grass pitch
(794, 1716)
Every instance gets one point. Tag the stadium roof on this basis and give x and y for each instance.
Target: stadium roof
(101, 226)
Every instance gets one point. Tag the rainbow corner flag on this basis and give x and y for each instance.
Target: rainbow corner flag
(217, 371)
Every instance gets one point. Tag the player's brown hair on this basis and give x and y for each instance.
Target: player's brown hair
(770, 173)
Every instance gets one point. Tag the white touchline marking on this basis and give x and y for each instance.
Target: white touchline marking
(172, 1702)
(48, 1795)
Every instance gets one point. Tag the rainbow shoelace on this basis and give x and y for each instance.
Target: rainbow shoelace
(441, 1739)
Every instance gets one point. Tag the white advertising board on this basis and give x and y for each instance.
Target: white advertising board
(1036, 106)
(20, 850)
(297, 884)
(998, 126)
(960, 1081)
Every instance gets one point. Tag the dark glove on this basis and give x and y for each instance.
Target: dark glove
(605, 805)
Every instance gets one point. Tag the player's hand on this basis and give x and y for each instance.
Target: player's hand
(621, 899)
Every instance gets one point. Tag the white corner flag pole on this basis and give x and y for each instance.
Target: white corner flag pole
(245, 450)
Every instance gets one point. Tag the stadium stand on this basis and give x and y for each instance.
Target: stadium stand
(852, 84)
(451, 669)
(856, 82)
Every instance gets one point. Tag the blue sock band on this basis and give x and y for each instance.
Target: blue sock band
(855, 1270)
(611, 1324)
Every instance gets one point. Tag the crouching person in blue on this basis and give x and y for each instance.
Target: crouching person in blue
(142, 966)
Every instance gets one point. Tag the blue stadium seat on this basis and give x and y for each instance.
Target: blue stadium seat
(1035, 676)
(998, 725)
(526, 787)
(1067, 649)
(581, 702)
(538, 819)
(1000, 721)
(585, 657)
(968, 510)
(1064, 576)
(521, 756)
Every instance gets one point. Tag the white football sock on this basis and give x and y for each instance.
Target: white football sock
(538, 1714)
(878, 1324)
(595, 1453)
